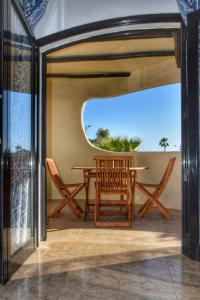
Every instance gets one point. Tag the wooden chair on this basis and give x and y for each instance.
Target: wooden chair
(152, 197)
(66, 191)
(113, 177)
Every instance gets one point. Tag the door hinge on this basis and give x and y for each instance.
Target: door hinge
(185, 115)
(0, 141)
(1, 96)
(186, 240)
(186, 174)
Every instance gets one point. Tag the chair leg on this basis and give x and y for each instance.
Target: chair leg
(60, 206)
(164, 211)
(96, 208)
(86, 200)
(148, 208)
(130, 214)
(145, 207)
(141, 208)
(78, 206)
(96, 213)
(153, 201)
(57, 209)
(86, 209)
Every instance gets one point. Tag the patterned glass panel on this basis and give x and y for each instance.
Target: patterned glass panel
(20, 119)
(33, 10)
(199, 106)
(187, 6)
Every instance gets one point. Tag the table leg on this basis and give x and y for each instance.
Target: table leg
(133, 192)
(86, 180)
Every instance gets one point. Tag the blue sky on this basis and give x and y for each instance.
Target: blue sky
(149, 115)
(20, 115)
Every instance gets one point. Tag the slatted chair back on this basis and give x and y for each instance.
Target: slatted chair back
(112, 173)
(113, 177)
(64, 190)
(167, 174)
(55, 176)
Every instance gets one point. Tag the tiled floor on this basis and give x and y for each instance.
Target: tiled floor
(79, 261)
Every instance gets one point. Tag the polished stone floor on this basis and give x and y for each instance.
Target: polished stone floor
(79, 261)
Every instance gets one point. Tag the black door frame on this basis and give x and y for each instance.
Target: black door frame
(110, 36)
(2, 246)
(91, 27)
(189, 234)
(86, 28)
(190, 118)
(191, 145)
(7, 266)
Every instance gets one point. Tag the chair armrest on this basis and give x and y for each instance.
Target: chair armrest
(72, 185)
(151, 185)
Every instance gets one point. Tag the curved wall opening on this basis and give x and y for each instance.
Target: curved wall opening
(145, 117)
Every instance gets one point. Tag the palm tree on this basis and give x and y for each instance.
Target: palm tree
(124, 144)
(102, 133)
(117, 143)
(164, 143)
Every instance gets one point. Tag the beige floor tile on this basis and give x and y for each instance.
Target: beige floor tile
(81, 262)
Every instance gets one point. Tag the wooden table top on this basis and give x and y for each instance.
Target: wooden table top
(94, 168)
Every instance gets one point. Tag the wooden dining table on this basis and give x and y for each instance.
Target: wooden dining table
(89, 172)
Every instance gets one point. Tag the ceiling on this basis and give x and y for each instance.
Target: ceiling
(151, 62)
(117, 46)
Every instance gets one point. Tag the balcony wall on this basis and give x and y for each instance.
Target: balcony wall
(67, 144)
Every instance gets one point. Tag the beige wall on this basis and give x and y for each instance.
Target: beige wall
(67, 144)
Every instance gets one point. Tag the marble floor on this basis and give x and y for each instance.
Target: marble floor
(79, 261)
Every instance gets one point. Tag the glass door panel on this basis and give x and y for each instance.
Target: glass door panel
(19, 180)
(19, 136)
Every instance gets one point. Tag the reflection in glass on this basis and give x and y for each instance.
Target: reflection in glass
(19, 110)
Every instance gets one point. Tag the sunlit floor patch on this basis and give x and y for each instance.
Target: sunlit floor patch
(79, 261)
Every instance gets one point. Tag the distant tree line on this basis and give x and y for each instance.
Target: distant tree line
(118, 143)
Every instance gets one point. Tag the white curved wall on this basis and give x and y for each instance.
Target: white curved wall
(65, 14)
(67, 144)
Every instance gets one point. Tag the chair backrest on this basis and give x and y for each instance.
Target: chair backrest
(54, 173)
(168, 172)
(112, 173)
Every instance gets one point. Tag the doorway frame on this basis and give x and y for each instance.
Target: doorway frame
(47, 45)
(191, 136)
(44, 42)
